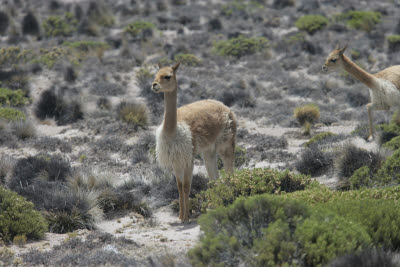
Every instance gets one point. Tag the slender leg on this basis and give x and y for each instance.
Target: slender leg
(210, 160)
(179, 183)
(187, 183)
(370, 107)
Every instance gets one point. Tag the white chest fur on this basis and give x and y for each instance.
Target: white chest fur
(386, 96)
(175, 150)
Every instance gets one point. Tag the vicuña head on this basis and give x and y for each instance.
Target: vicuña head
(165, 80)
(334, 61)
(204, 127)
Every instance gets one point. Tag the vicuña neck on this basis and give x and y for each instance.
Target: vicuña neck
(170, 112)
(358, 73)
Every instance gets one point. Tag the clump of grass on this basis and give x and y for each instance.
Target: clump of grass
(23, 129)
(140, 28)
(55, 26)
(18, 217)
(311, 23)
(314, 161)
(11, 114)
(187, 59)
(241, 46)
(394, 42)
(133, 113)
(307, 115)
(362, 20)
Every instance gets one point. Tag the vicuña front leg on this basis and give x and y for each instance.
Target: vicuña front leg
(179, 183)
(187, 183)
(210, 160)
(370, 107)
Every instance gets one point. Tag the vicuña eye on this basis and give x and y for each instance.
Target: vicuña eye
(333, 60)
(167, 77)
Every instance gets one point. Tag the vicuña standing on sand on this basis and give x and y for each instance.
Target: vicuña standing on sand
(384, 86)
(207, 127)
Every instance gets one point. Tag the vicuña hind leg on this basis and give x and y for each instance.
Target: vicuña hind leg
(370, 107)
(210, 160)
(227, 153)
(187, 183)
(179, 183)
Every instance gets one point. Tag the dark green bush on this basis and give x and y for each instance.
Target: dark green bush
(140, 28)
(12, 97)
(187, 59)
(393, 144)
(394, 42)
(56, 26)
(319, 137)
(247, 182)
(389, 173)
(361, 178)
(10, 114)
(241, 46)
(269, 230)
(362, 20)
(311, 23)
(18, 217)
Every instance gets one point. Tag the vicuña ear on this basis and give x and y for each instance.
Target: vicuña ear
(159, 65)
(343, 49)
(176, 66)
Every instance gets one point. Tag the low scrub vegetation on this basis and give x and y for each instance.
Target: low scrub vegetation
(318, 138)
(394, 42)
(13, 97)
(362, 20)
(18, 217)
(140, 28)
(134, 114)
(55, 26)
(311, 23)
(11, 114)
(241, 46)
(307, 115)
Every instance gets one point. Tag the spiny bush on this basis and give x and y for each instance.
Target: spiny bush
(393, 144)
(51, 105)
(140, 28)
(188, 59)
(241, 46)
(270, 230)
(352, 158)
(394, 42)
(10, 114)
(362, 20)
(30, 24)
(246, 182)
(311, 23)
(318, 138)
(4, 22)
(13, 97)
(18, 217)
(55, 26)
(361, 178)
(313, 161)
(133, 113)
(307, 113)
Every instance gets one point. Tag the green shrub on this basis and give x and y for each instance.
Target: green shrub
(12, 97)
(188, 59)
(56, 26)
(394, 42)
(48, 57)
(362, 20)
(134, 114)
(269, 230)
(393, 144)
(319, 137)
(360, 178)
(142, 28)
(248, 182)
(87, 48)
(311, 23)
(13, 55)
(380, 218)
(10, 114)
(389, 173)
(241, 46)
(18, 217)
(230, 233)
